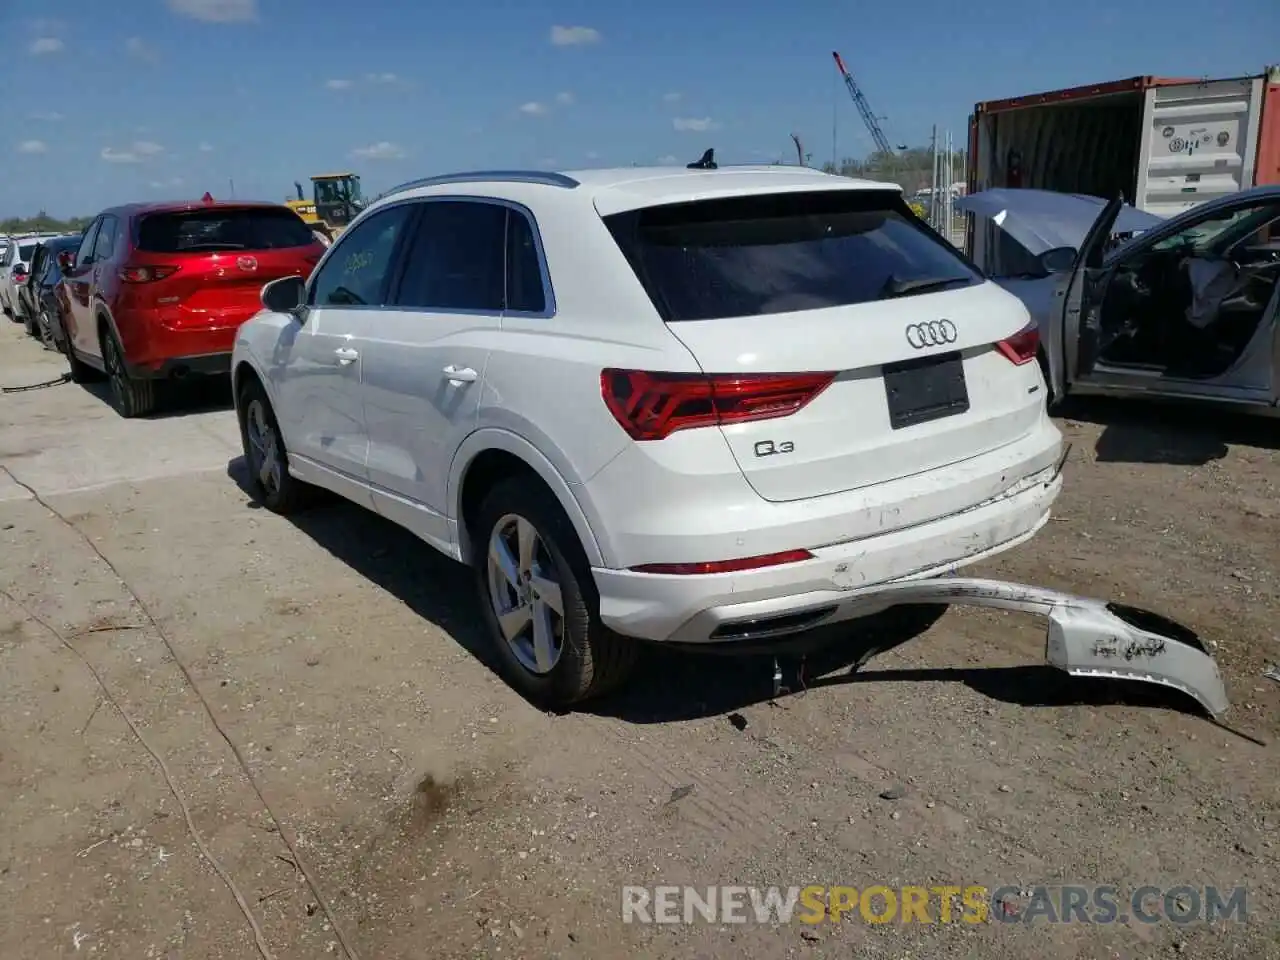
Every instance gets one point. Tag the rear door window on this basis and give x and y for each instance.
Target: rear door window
(223, 228)
(25, 250)
(779, 253)
(456, 260)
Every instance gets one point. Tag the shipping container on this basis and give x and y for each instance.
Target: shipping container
(1167, 144)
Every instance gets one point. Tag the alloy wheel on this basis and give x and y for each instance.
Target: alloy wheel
(524, 590)
(114, 363)
(265, 461)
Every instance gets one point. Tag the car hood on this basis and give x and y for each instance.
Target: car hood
(1036, 294)
(1043, 220)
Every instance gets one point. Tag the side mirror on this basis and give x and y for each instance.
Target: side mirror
(1058, 260)
(284, 295)
(66, 260)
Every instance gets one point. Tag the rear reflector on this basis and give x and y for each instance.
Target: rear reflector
(1022, 346)
(651, 406)
(726, 566)
(146, 274)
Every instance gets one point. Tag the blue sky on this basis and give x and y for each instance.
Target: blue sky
(133, 99)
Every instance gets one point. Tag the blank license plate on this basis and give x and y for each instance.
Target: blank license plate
(926, 389)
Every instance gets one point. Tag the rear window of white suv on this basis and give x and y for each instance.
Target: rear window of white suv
(778, 253)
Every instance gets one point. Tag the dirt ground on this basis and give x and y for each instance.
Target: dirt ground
(312, 729)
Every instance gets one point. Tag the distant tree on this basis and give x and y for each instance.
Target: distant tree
(43, 223)
(912, 168)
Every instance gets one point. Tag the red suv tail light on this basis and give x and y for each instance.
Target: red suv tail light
(1022, 346)
(146, 274)
(650, 406)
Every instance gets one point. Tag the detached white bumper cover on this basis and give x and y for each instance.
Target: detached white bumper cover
(1089, 638)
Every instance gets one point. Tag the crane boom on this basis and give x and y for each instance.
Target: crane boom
(864, 108)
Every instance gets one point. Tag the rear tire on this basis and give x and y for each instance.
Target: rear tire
(528, 561)
(131, 397)
(265, 455)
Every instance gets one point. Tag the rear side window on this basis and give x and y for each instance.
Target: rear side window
(779, 253)
(25, 250)
(525, 292)
(192, 231)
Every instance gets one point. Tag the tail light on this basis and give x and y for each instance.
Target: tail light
(146, 274)
(651, 406)
(726, 566)
(19, 271)
(1022, 346)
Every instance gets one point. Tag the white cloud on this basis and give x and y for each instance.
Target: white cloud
(383, 150)
(137, 48)
(48, 117)
(675, 96)
(206, 148)
(564, 97)
(216, 11)
(533, 108)
(574, 36)
(695, 124)
(338, 84)
(112, 155)
(381, 78)
(138, 152)
(43, 45)
(667, 160)
(33, 146)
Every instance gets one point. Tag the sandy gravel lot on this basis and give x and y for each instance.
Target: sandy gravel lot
(315, 692)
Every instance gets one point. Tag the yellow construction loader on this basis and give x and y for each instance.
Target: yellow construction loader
(335, 201)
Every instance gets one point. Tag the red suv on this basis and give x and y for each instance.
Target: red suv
(157, 291)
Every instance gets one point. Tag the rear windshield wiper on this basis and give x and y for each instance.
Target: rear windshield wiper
(894, 287)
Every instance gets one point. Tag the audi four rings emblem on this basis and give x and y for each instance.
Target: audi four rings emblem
(934, 333)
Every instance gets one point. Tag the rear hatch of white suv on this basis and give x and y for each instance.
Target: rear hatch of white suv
(845, 343)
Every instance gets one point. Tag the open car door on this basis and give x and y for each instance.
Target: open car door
(1082, 314)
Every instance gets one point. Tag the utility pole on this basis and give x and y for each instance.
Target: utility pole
(933, 184)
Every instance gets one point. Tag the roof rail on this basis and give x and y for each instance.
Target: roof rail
(490, 176)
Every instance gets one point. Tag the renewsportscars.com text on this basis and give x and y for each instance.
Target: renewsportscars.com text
(972, 904)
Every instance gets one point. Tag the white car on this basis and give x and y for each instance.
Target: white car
(15, 262)
(674, 405)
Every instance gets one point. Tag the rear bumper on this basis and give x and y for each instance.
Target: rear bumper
(155, 351)
(842, 582)
(175, 368)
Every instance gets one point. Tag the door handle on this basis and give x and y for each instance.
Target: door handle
(346, 355)
(460, 374)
